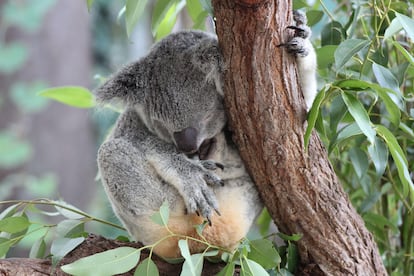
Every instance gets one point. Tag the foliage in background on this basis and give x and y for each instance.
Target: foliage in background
(15, 148)
(364, 114)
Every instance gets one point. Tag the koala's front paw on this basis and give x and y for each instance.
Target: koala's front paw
(299, 44)
(199, 197)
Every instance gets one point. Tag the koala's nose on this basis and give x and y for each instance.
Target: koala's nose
(186, 140)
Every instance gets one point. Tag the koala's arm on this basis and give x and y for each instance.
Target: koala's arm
(302, 48)
(191, 178)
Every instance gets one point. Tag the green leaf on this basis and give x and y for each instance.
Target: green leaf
(379, 155)
(12, 57)
(407, 23)
(326, 56)
(263, 221)
(133, 11)
(292, 257)
(360, 115)
(89, 3)
(404, 52)
(313, 115)
(67, 210)
(193, 265)
(110, 262)
(314, 16)
(294, 237)
(38, 249)
(194, 9)
(391, 99)
(251, 268)
(62, 246)
(359, 161)
(379, 221)
(332, 34)
(385, 78)
(346, 132)
(264, 253)
(347, 49)
(393, 28)
(70, 228)
(71, 95)
(399, 160)
(146, 268)
(5, 245)
(14, 224)
(162, 217)
(168, 20)
(160, 11)
(228, 270)
(13, 151)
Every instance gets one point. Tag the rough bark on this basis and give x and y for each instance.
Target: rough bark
(267, 113)
(93, 244)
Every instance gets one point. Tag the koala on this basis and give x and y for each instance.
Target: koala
(171, 144)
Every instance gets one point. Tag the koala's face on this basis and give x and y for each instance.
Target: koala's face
(189, 117)
(176, 90)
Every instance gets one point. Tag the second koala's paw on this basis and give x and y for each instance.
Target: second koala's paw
(299, 45)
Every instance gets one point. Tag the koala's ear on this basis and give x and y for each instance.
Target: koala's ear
(125, 86)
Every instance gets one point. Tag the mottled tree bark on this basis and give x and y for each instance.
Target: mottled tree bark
(267, 113)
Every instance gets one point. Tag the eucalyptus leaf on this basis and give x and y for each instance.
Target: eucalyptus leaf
(399, 159)
(133, 11)
(67, 210)
(347, 49)
(110, 262)
(228, 270)
(193, 265)
(407, 23)
(5, 245)
(264, 253)
(379, 155)
(313, 115)
(251, 268)
(360, 115)
(62, 246)
(70, 95)
(14, 224)
(38, 249)
(359, 161)
(162, 217)
(146, 268)
(393, 28)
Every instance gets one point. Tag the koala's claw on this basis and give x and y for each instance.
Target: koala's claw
(211, 165)
(303, 31)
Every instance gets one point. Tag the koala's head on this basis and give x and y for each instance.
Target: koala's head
(176, 90)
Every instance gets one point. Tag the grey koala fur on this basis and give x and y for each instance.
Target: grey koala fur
(170, 144)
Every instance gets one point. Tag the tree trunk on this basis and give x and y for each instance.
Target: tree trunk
(266, 111)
